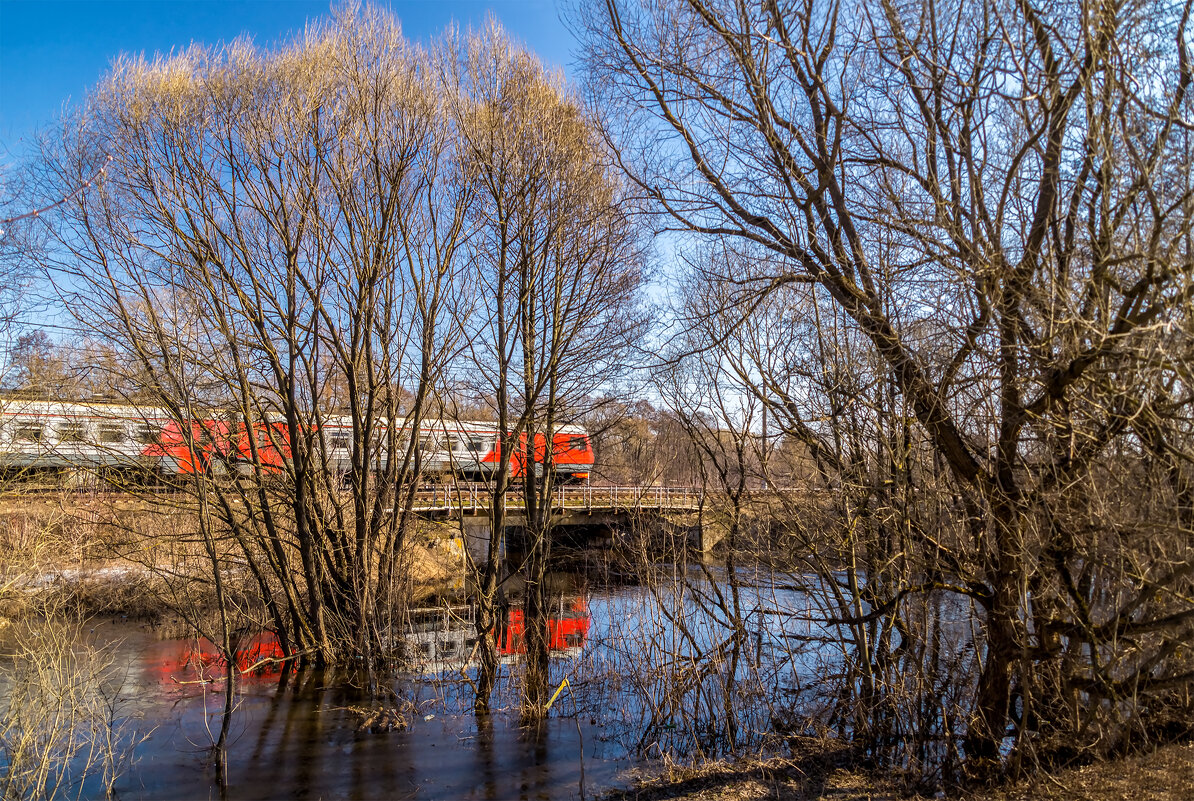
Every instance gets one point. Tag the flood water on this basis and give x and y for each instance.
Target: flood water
(294, 737)
(294, 734)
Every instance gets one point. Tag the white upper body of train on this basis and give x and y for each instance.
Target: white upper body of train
(39, 434)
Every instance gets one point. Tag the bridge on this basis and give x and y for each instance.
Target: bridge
(576, 506)
(454, 500)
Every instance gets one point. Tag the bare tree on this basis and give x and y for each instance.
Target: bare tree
(558, 270)
(273, 246)
(640, 444)
(984, 210)
(21, 243)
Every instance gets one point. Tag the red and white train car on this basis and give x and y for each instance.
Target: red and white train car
(49, 435)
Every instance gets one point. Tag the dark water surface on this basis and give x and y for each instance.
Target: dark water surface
(294, 736)
(298, 741)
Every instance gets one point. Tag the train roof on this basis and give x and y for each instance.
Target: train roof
(13, 406)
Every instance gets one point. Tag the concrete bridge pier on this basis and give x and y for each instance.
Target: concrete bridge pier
(476, 538)
(710, 533)
(701, 534)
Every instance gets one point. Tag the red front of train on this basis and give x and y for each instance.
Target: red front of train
(213, 446)
(572, 454)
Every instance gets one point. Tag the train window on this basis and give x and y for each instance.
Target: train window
(146, 434)
(71, 432)
(29, 432)
(111, 433)
(338, 443)
(427, 444)
(475, 446)
(578, 443)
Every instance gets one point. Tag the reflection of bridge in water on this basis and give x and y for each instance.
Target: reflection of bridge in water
(436, 638)
(445, 638)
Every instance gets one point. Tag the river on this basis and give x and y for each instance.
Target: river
(634, 693)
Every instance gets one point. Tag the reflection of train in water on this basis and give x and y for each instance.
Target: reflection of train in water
(441, 638)
(45, 436)
(189, 660)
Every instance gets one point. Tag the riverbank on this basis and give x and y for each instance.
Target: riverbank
(1166, 774)
(102, 555)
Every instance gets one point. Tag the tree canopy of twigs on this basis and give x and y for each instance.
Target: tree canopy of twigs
(276, 242)
(947, 245)
(557, 268)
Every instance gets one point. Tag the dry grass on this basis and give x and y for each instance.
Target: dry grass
(119, 555)
(89, 554)
(817, 770)
(1167, 774)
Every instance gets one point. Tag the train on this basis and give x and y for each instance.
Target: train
(38, 436)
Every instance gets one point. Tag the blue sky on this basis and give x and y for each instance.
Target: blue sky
(52, 51)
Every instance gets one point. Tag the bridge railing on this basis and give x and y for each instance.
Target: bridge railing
(477, 496)
(628, 497)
